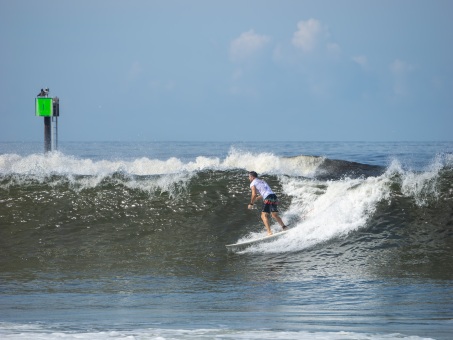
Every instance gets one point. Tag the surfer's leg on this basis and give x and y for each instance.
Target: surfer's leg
(265, 218)
(276, 217)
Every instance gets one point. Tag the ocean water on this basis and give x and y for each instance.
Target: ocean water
(127, 241)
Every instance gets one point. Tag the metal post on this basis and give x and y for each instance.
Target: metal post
(56, 114)
(47, 134)
(55, 136)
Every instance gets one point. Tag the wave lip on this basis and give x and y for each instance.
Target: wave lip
(60, 164)
(56, 163)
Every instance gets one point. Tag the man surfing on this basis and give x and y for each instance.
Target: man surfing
(270, 201)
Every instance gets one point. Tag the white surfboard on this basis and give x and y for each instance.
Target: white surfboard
(242, 245)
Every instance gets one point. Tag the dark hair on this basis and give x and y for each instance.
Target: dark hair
(253, 174)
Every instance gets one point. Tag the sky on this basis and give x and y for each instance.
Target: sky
(268, 70)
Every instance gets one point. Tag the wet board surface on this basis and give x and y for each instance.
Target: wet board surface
(242, 245)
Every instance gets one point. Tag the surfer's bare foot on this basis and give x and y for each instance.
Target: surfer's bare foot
(269, 234)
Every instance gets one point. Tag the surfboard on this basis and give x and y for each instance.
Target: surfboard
(242, 245)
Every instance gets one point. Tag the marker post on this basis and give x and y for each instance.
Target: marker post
(49, 108)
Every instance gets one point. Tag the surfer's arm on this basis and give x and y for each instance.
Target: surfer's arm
(253, 197)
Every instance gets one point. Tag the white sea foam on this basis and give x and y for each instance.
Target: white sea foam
(60, 164)
(421, 186)
(86, 173)
(324, 210)
(56, 163)
(22, 332)
(170, 175)
(271, 164)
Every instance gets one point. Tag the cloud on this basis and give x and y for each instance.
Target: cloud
(246, 45)
(400, 71)
(307, 35)
(399, 67)
(361, 60)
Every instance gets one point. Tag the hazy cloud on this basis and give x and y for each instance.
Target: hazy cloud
(307, 35)
(246, 45)
(400, 71)
(399, 67)
(333, 49)
(361, 60)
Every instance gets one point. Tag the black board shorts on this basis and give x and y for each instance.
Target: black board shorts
(270, 204)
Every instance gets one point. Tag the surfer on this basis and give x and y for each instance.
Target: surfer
(260, 189)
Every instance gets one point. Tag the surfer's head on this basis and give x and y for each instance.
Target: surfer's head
(253, 174)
